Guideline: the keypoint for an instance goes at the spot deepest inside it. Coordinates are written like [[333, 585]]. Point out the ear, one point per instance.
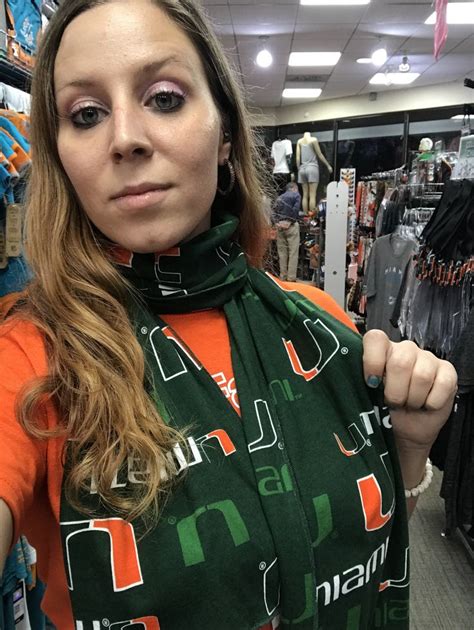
[[225, 147]]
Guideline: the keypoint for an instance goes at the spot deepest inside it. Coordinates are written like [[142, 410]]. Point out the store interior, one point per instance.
[[366, 121]]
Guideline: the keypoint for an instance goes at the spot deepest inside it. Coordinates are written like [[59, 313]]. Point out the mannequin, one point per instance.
[[282, 150], [307, 154]]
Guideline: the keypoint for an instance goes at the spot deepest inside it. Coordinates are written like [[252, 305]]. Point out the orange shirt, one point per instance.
[[31, 472]]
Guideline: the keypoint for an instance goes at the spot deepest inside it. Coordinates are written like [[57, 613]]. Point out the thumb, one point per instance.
[[376, 351]]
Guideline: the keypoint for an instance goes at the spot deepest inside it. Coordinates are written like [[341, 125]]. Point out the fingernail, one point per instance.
[[374, 381]]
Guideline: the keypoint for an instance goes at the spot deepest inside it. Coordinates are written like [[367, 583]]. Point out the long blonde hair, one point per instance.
[[96, 365]]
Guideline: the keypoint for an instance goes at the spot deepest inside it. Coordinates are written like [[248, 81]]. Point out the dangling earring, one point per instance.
[[230, 185]]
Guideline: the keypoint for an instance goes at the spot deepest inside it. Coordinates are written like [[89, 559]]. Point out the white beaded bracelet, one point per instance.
[[427, 479]]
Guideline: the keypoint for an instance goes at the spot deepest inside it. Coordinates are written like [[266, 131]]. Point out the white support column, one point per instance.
[[336, 241]]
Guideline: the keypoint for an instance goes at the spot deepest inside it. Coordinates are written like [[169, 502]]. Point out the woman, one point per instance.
[[155, 498]]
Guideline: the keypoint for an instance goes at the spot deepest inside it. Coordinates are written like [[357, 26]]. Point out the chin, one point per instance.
[[160, 236], [151, 245]]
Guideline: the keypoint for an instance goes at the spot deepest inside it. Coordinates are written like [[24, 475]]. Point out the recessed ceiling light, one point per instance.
[[457, 13], [394, 78], [364, 60], [332, 3], [314, 58], [379, 56], [264, 58], [301, 93]]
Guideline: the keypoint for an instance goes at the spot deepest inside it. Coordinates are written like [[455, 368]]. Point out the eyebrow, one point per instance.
[[147, 69]]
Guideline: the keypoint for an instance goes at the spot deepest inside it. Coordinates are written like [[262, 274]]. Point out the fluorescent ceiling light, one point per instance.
[[379, 56], [332, 3], [264, 58], [314, 58], [460, 117], [301, 92], [458, 13], [364, 60], [394, 78]]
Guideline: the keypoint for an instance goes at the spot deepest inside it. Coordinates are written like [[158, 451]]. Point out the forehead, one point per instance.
[[119, 36]]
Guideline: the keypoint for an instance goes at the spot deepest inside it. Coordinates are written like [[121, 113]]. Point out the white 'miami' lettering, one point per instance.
[[353, 578]]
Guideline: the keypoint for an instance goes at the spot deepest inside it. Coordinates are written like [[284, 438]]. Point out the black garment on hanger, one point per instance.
[[457, 438], [450, 231], [457, 488]]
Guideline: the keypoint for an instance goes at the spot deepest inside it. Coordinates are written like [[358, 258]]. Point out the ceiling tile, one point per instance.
[[330, 15], [224, 29], [396, 12], [348, 68], [456, 32], [278, 44], [219, 13], [464, 46], [262, 83], [383, 29], [453, 66], [264, 28], [263, 14], [319, 44], [364, 45], [208, 3], [228, 41], [311, 36], [339, 90], [248, 65]]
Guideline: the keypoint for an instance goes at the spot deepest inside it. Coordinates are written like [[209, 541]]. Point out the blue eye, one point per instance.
[[167, 101], [87, 117]]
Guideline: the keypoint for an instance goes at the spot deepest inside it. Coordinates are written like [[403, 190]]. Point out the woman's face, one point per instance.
[[140, 136]]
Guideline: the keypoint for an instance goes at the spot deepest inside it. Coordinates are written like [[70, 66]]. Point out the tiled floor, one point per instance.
[[442, 579]]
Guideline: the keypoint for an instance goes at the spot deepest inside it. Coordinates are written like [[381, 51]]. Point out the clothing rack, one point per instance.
[[434, 309], [21, 591], [393, 176]]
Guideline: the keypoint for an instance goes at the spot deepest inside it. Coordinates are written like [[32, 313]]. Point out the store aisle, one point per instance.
[[442, 591]]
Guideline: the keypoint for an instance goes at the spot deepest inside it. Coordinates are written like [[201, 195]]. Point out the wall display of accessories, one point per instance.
[[348, 175], [21, 27]]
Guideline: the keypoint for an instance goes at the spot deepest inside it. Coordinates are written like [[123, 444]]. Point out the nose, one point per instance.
[[130, 137]]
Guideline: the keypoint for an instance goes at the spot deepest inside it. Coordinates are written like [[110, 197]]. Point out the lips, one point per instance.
[[140, 198], [140, 189]]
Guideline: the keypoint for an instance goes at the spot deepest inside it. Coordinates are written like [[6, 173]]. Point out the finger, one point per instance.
[[376, 347], [400, 364], [444, 387], [422, 379]]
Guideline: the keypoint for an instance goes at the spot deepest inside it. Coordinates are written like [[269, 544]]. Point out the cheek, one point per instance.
[[202, 152], [76, 165]]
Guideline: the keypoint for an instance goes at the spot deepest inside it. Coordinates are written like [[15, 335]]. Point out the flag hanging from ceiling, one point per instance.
[[441, 27]]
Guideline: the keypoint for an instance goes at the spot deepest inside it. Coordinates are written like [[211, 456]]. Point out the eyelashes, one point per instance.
[[164, 100], [167, 100], [87, 116]]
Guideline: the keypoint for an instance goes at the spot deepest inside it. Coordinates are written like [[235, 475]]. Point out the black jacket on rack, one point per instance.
[[458, 480]]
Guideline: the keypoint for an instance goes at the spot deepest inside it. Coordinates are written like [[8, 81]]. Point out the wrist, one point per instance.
[[423, 485], [409, 446], [412, 460]]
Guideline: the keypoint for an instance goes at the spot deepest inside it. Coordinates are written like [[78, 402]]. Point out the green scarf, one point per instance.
[[295, 508]]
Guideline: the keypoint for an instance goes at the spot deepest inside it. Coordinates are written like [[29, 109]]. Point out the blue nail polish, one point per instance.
[[374, 381]]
